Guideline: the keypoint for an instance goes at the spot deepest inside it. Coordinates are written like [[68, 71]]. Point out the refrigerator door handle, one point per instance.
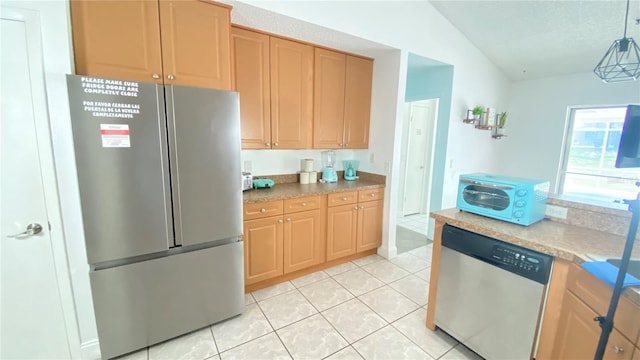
[[173, 165]]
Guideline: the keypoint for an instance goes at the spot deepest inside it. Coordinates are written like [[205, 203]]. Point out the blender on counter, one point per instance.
[[329, 174]]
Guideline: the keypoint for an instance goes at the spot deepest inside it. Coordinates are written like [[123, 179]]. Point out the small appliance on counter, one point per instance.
[[350, 168], [247, 181], [517, 200], [263, 184], [329, 174]]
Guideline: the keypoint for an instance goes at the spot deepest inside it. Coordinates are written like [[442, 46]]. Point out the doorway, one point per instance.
[[418, 137]]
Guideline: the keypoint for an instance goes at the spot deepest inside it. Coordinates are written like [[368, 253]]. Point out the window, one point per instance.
[[588, 171]]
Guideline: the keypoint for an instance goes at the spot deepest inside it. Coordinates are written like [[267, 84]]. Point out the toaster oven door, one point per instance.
[[488, 196]]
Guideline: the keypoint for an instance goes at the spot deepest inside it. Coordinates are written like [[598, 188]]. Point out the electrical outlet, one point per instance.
[[558, 212], [371, 158], [387, 167], [247, 166]]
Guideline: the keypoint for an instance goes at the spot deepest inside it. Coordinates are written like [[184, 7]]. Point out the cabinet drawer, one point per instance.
[[597, 296], [370, 195], [261, 210], [301, 204], [343, 198]]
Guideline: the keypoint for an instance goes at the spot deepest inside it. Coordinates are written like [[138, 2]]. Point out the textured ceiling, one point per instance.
[[533, 39]]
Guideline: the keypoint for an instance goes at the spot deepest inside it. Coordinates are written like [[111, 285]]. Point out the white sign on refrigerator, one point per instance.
[[115, 135]]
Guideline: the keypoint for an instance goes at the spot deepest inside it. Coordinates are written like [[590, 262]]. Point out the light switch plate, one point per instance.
[[558, 212]]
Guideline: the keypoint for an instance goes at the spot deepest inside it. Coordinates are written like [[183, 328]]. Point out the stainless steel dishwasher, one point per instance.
[[490, 293]]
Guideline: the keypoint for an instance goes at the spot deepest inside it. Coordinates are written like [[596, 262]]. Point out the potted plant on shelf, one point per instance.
[[477, 112], [502, 122]]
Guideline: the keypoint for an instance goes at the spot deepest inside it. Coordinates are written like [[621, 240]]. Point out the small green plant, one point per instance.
[[478, 110], [502, 120]]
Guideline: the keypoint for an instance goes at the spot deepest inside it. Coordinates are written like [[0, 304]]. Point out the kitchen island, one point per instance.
[[573, 295]]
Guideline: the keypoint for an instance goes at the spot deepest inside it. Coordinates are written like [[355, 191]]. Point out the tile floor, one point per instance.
[[416, 222], [370, 308], [411, 232]]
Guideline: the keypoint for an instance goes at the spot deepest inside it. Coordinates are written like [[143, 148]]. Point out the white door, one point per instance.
[[419, 142], [33, 323]]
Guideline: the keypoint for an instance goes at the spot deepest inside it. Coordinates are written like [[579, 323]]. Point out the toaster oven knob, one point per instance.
[[520, 203], [518, 214], [521, 192]]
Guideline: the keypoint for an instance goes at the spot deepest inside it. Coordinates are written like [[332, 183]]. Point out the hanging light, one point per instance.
[[622, 60]]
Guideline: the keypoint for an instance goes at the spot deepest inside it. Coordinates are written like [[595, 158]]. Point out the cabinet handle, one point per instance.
[[355, 208], [275, 144], [373, 195], [617, 349], [304, 204], [263, 210], [288, 219], [361, 207], [267, 144], [347, 144], [155, 76], [344, 198], [280, 221], [170, 77], [340, 145]]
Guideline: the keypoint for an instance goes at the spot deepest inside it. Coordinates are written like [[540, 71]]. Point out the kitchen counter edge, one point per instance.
[[296, 190]]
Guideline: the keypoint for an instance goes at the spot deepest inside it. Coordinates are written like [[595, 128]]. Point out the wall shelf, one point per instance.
[[478, 123]]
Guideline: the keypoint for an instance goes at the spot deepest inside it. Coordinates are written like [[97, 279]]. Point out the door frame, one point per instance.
[[33, 27], [429, 146]]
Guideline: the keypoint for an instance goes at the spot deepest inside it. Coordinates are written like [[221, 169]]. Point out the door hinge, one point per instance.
[[49, 223]]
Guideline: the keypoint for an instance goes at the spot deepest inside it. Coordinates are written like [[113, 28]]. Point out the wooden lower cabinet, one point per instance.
[[302, 240], [369, 235], [263, 249], [578, 334], [342, 231]]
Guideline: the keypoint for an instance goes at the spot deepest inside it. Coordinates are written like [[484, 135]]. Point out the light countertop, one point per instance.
[[295, 190]]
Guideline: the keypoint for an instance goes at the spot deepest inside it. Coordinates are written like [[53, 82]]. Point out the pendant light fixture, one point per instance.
[[622, 60]]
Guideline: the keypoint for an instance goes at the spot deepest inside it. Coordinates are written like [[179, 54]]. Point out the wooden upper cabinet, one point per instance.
[[252, 81], [328, 99], [357, 108], [291, 65], [342, 100], [196, 43], [193, 35], [128, 48]]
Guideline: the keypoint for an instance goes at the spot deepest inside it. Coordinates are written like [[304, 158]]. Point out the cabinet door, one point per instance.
[[369, 225], [291, 94], [196, 44], [328, 99], [341, 231], [251, 63], [262, 249], [357, 103], [578, 334], [302, 240], [117, 39]]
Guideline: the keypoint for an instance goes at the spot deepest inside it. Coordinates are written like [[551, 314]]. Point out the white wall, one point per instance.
[[538, 116]]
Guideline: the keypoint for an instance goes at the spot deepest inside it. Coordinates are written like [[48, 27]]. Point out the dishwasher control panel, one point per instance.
[[518, 258]]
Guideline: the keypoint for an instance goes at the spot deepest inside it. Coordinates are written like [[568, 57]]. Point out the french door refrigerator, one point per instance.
[[158, 170]]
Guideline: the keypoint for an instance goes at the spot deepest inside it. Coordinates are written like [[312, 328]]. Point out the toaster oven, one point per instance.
[[517, 200]]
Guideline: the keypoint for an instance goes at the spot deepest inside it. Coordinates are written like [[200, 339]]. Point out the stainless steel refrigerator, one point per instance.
[[158, 170]]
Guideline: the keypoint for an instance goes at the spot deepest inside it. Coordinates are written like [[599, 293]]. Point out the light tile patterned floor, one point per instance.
[[416, 222], [370, 308]]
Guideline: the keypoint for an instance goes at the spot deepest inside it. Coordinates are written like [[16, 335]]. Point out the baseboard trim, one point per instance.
[[90, 350]]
